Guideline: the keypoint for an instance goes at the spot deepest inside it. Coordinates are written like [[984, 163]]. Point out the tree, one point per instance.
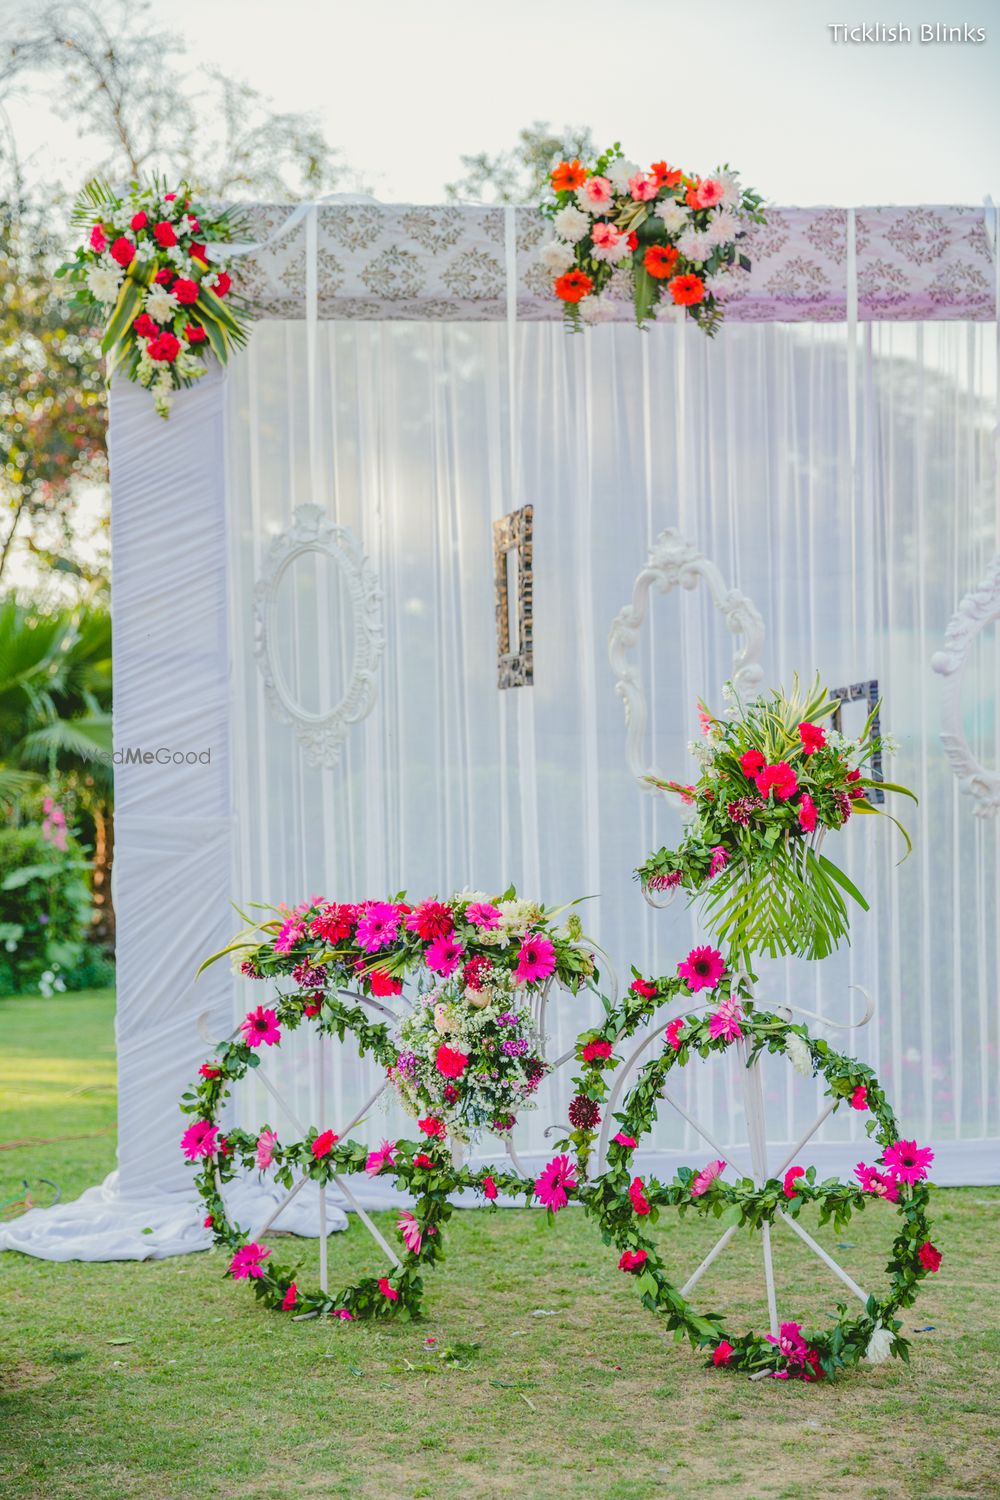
[[522, 174]]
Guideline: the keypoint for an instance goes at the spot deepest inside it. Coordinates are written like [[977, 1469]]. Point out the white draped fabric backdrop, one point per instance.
[[844, 478]]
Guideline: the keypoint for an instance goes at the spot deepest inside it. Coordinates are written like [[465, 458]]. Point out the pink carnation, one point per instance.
[[289, 1299], [621, 1139], [710, 192], [706, 1177], [98, 239], [595, 194], [387, 1289], [551, 1187], [807, 813], [781, 778], [673, 1032], [633, 1260], [637, 1197], [859, 1099], [489, 1188], [791, 1177]]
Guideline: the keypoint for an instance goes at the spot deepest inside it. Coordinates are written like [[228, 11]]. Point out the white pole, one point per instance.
[[715, 1251], [826, 1259]]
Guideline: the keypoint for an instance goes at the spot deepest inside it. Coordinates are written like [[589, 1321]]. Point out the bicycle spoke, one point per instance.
[[712, 1255], [827, 1260]]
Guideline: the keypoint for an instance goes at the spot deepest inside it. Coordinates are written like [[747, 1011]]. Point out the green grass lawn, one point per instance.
[[167, 1382]]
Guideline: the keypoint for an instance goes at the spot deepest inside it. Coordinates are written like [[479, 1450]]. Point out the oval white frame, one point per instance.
[[321, 734], [675, 562], [973, 614]]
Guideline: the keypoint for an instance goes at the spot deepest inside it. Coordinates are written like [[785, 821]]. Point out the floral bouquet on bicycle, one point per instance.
[[775, 779]]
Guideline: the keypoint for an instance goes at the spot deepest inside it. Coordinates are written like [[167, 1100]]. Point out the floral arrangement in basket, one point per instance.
[[145, 265], [673, 233], [773, 782]]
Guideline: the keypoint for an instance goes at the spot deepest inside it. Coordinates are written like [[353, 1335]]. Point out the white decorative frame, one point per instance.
[[674, 562], [321, 735], [974, 612]]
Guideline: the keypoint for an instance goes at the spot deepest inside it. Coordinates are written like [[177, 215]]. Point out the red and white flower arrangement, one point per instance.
[[674, 235], [150, 263]]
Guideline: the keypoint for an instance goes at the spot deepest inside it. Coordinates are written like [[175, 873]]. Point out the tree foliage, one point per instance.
[[521, 174]]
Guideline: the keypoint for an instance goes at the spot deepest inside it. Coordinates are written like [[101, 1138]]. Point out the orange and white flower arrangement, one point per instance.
[[677, 236]]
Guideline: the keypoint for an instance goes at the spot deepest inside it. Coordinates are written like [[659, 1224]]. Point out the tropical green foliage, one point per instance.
[[44, 910]]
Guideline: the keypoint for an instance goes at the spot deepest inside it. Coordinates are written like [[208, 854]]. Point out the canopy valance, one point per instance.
[[389, 261]]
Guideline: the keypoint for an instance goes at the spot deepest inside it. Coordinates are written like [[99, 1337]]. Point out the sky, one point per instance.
[[405, 88]]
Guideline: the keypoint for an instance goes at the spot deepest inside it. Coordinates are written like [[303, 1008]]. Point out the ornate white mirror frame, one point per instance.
[[321, 734], [973, 614], [674, 562]]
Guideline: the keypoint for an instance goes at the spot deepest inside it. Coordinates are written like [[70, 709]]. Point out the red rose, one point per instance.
[[123, 251], [185, 291], [164, 276], [423, 1160], [433, 1127], [165, 348], [139, 221], [163, 234], [144, 327], [596, 1051], [207, 1071], [198, 251], [324, 1144], [930, 1256], [208, 1221], [223, 282], [489, 1188], [633, 1260], [644, 988], [312, 1009]]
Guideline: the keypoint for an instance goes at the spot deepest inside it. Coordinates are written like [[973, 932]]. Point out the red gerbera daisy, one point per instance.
[[574, 286], [660, 261], [686, 290]]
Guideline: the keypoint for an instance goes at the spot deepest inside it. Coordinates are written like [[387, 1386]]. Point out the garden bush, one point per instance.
[[45, 908]]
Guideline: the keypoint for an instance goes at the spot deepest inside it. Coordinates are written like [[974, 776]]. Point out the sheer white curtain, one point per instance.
[[848, 486]]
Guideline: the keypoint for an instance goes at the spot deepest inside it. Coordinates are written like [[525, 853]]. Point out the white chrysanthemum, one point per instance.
[[613, 254], [723, 227], [619, 173], [694, 246], [103, 283], [556, 257], [596, 309], [798, 1052], [879, 1346], [732, 190], [570, 224], [720, 284], [674, 215], [160, 304]]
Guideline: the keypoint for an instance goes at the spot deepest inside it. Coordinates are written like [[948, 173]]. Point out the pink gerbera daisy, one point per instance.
[[702, 969], [551, 1187], [706, 1177], [482, 915], [383, 1157], [726, 1021], [908, 1161], [260, 1026], [444, 955], [379, 926], [199, 1140], [409, 1228], [248, 1262], [536, 959]]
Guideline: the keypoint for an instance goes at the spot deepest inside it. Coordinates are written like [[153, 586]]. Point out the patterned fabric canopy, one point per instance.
[[377, 260]]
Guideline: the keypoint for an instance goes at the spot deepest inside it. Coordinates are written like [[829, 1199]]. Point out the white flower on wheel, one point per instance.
[[673, 215], [571, 223], [799, 1054], [556, 257], [879, 1346]]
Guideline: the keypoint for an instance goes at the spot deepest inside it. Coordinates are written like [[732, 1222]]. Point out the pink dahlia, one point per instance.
[[637, 1197], [260, 1026], [551, 1187], [876, 1182], [726, 1021], [266, 1142], [248, 1262], [387, 1289], [444, 955], [289, 1299], [199, 1139], [410, 1229], [334, 923], [790, 1342], [536, 960], [482, 915], [673, 1032], [791, 1177], [633, 1260], [430, 920], [859, 1099], [378, 927], [706, 1177], [908, 1161], [383, 1157], [702, 969]]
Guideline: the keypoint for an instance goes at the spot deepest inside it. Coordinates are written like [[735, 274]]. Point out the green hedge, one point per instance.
[[45, 910]]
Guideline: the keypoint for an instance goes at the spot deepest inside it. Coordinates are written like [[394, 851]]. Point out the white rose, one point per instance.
[[619, 173], [556, 256], [571, 224], [798, 1052], [673, 214], [160, 304], [103, 283]]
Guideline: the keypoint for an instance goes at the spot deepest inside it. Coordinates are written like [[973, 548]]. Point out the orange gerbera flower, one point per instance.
[[694, 183], [660, 261], [665, 176], [687, 290], [567, 176], [574, 286]]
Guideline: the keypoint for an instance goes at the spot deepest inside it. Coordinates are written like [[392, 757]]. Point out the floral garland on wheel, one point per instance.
[[145, 265], [674, 235], [480, 959], [625, 1204]]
